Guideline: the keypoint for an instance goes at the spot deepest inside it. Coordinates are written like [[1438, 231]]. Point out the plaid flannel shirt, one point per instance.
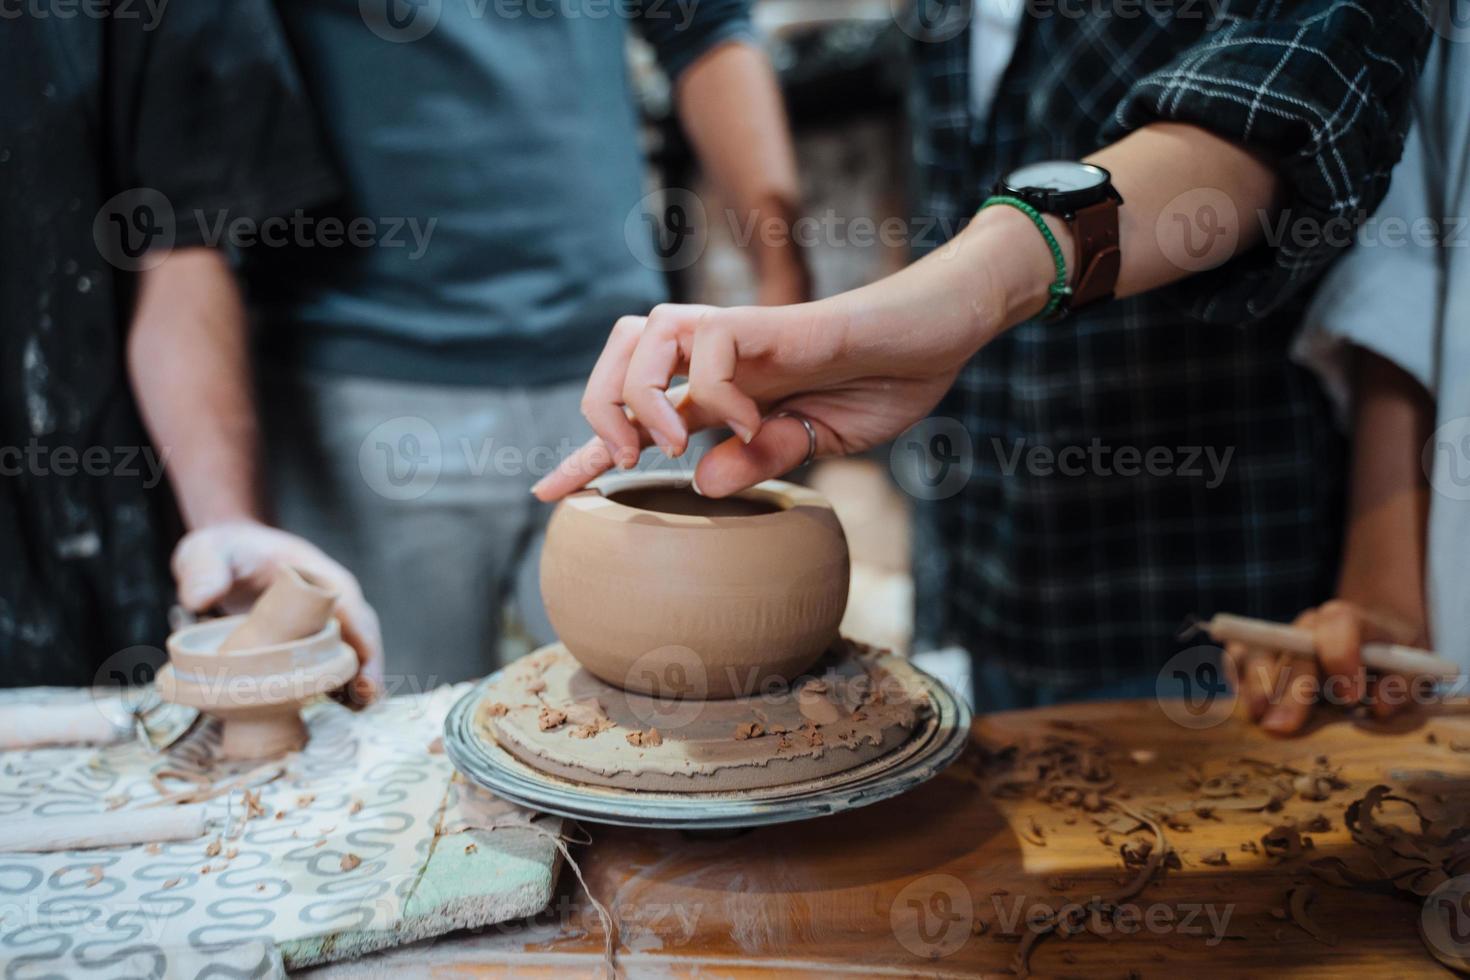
[[1078, 574]]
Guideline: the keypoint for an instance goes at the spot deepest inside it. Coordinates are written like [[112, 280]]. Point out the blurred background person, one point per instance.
[[127, 138], [1070, 582], [1389, 334], [415, 388]]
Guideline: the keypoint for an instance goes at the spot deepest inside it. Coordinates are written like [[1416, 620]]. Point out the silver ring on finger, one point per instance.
[[811, 433]]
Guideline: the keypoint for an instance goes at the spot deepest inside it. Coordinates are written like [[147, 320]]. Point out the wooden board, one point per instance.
[[836, 896]]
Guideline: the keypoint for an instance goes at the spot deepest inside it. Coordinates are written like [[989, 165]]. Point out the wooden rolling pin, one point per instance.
[[40, 834], [1384, 658]]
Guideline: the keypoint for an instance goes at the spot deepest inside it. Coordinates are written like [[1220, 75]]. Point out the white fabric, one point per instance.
[[993, 34], [1404, 294]]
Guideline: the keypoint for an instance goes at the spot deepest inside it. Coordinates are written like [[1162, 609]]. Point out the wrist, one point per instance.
[[1020, 260]]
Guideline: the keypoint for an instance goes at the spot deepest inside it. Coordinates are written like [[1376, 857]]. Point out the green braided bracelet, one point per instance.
[[1059, 289]]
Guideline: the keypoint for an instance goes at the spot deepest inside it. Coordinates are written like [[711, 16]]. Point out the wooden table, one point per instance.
[[844, 895]]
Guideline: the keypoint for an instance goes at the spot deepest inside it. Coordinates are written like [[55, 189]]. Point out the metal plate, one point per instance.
[[934, 745]]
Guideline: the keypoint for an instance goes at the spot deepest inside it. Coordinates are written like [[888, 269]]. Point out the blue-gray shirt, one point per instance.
[[492, 147]]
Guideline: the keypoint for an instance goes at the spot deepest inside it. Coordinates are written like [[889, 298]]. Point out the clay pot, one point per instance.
[[257, 693], [293, 606], [658, 590]]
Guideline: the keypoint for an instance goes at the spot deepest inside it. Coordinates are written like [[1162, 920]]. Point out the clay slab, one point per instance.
[[856, 705]]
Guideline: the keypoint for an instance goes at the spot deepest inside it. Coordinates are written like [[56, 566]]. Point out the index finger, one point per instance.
[[575, 472]]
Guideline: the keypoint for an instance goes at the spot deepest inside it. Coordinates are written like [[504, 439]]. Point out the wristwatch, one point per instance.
[[1083, 196]]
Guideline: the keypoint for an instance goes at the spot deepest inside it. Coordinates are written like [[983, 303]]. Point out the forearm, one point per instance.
[[188, 361], [996, 273], [1388, 496], [730, 106]]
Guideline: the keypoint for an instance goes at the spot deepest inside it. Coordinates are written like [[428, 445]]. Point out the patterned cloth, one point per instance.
[[1157, 456]]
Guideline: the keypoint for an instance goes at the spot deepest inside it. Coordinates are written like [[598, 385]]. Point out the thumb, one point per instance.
[[201, 571], [779, 447]]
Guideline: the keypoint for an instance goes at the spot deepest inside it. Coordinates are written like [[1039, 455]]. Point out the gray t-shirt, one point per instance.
[[1404, 293], [492, 147]]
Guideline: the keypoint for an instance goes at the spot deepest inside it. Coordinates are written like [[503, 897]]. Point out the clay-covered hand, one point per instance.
[[1278, 691], [231, 564]]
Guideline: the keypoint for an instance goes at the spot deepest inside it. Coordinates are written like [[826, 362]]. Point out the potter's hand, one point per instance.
[[861, 367], [231, 564], [1278, 692]]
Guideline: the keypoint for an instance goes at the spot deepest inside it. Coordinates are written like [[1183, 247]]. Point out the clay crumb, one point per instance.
[[1216, 859], [280, 814], [436, 747], [471, 848], [350, 861], [551, 719], [305, 800], [647, 739], [356, 806], [495, 709], [232, 853], [253, 808], [154, 848], [260, 887], [750, 729], [170, 883], [214, 848]]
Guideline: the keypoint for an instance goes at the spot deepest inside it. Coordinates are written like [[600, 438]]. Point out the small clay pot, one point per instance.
[[658, 590], [257, 693]]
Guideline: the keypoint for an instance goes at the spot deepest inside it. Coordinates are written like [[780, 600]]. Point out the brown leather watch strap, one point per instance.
[[1095, 231]]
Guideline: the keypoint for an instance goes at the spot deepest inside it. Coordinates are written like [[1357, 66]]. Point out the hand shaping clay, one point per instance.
[[553, 715], [254, 672], [660, 591]]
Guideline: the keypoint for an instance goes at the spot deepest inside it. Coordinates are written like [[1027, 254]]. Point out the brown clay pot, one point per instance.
[[658, 590], [257, 693]]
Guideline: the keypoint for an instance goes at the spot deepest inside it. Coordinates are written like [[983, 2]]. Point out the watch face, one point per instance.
[[1058, 175]]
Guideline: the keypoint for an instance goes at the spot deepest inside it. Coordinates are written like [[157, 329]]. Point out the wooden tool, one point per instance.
[[1386, 658]]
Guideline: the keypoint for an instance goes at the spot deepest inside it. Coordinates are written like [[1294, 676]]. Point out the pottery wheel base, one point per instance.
[[546, 734]]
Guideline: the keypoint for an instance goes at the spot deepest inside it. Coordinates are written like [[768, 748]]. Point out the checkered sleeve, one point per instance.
[[1322, 86]]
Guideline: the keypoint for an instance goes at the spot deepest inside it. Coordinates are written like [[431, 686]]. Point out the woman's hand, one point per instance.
[[1278, 691], [860, 367]]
